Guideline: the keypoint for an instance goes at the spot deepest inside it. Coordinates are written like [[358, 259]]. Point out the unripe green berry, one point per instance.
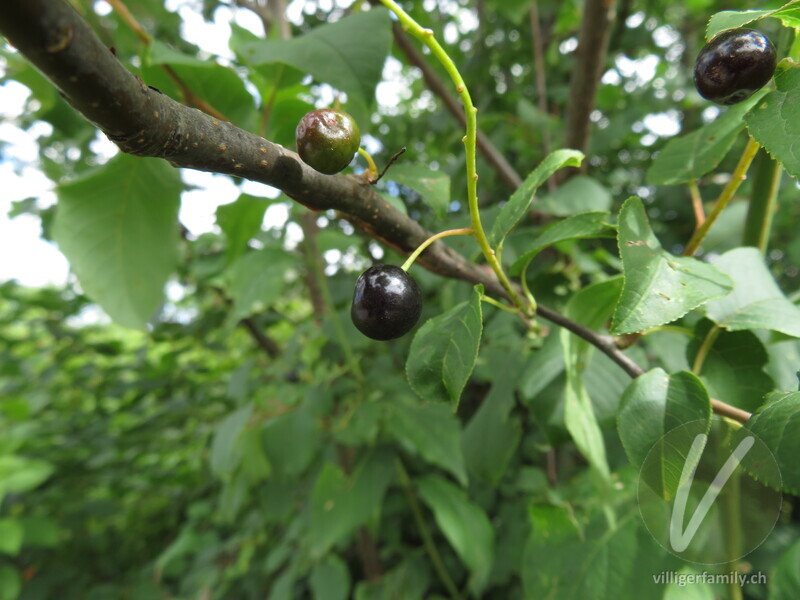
[[327, 139]]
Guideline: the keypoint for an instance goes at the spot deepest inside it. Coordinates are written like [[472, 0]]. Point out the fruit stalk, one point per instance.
[[372, 168], [763, 199], [421, 248], [739, 175]]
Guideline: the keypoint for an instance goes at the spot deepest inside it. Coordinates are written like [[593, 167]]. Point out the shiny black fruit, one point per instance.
[[386, 303], [734, 65], [327, 139]]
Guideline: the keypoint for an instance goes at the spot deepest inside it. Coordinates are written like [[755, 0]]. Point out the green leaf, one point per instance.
[[654, 404], [288, 108], [733, 369], [226, 450], [789, 14], [18, 474], [732, 19], [777, 424], [231, 498], [408, 581], [659, 287], [464, 524], [340, 504], [756, 301], [330, 579], [40, 532], [257, 280], [580, 226], [491, 436], [431, 430], [561, 562], [691, 156], [433, 186], [11, 536], [521, 199], [217, 85], [255, 466], [579, 194], [784, 582], [160, 53], [776, 123], [291, 440], [444, 351], [187, 542], [590, 307], [240, 221], [348, 54], [117, 227], [543, 366], [10, 582]]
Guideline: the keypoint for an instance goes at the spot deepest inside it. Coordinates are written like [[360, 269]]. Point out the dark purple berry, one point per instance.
[[734, 65], [387, 302]]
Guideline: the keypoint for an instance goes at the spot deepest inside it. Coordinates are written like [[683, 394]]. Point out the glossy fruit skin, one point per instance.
[[734, 65], [327, 139], [387, 302]]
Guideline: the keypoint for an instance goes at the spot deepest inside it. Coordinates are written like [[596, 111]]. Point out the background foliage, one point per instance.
[[244, 441]]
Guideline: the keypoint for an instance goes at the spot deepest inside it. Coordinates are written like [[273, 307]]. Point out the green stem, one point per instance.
[[705, 348], [372, 168], [500, 305], [427, 539], [525, 289], [763, 201], [739, 175], [413, 256], [470, 139]]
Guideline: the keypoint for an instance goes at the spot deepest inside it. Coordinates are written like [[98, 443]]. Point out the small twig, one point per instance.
[[264, 342], [726, 410], [122, 10], [394, 157]]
